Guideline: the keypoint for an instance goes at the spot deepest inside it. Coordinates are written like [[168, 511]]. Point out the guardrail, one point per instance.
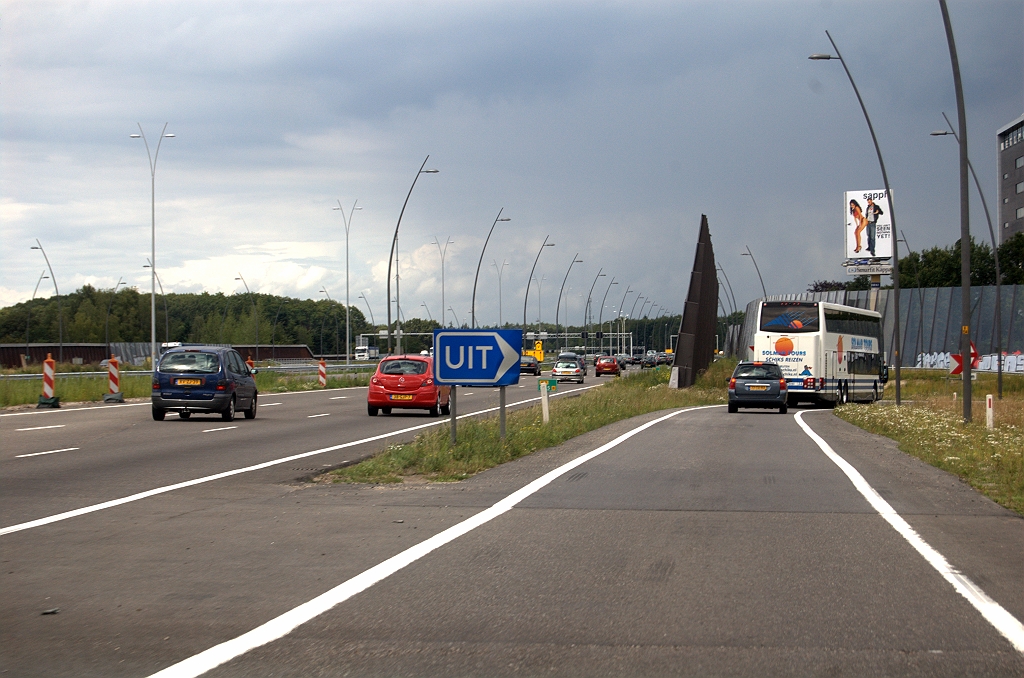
[[281, 369]]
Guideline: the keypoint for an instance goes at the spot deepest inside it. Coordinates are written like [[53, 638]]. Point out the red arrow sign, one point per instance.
[[956, 364]]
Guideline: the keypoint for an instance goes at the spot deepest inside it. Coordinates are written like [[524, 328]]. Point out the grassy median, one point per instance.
[[930, 427], [479, 446], [92, 388]]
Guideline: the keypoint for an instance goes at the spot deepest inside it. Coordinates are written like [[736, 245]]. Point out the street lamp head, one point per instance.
[[940, 133], [34, 247], [821, 57], [505, 219], [429, 171], [550, 244], [168, 136], [135, 136]]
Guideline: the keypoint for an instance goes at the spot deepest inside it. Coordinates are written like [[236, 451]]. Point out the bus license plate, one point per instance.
[[758, 387], [401, 397], [188, 382]]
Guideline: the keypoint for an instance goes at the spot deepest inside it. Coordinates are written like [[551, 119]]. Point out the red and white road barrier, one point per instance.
[[323, 373], [49, 368], [113, 375]]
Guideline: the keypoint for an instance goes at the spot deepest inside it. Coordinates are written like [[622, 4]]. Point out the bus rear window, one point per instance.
[[789, 317]]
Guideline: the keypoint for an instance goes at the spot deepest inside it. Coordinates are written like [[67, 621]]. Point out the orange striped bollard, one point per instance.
[[323, 373], [114, 394], [47, 399]]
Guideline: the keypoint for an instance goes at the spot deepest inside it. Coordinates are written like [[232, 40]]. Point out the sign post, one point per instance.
[[475, 357]]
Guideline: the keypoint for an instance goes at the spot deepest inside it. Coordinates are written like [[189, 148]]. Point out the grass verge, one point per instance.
[[479, 448], [931, 428]]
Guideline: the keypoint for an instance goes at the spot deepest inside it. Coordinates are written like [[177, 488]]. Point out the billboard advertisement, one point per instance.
[[868, 222]]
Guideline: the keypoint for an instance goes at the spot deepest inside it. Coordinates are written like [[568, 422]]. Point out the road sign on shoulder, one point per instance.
[[477, 357]]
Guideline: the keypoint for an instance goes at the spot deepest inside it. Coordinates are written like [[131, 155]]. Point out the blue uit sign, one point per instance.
[[477, 357]]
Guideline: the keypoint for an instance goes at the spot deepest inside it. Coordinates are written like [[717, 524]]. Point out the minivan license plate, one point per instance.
[[758, 387], [188, 382]]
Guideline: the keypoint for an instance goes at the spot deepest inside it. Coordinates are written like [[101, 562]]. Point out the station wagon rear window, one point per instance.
[[766, 371], [191, 363], [789, 317], [403, 367]]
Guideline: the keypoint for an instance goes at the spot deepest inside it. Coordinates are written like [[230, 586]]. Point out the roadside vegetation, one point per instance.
[[480, 447], [929, 426]]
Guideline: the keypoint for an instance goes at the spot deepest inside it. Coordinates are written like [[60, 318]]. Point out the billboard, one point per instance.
[[868, 224]]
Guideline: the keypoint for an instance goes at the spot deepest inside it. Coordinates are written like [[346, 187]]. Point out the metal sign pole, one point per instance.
[[501, 416], [451, 403]]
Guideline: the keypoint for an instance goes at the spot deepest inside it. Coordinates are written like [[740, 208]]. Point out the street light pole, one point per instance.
[[500, 271], [750, 254], [527, 297], [734, 306], [443, 253], [372, 321], [575, 260], [600, 313], [60, 308], [618, 317], [424, 305], [472, 308], [348, 323], [152, 176], [394, 247], [255, 315], [28, 312], [892, 214], [588, 315], [106, 323], [167, 315], [965, 218]]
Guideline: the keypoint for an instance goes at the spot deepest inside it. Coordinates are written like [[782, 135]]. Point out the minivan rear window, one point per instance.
[[764, 371], [196, 363], [403, 367]]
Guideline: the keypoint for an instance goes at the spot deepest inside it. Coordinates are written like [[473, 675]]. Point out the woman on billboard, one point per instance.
[[860, 222]]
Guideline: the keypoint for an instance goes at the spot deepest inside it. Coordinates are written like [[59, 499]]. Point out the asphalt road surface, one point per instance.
[[705, 544]]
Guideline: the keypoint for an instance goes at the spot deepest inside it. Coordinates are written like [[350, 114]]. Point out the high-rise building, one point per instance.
[[1011, 179]]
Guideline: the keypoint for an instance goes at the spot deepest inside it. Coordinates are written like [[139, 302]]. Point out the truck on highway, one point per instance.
[[367, 353], [829, 353]]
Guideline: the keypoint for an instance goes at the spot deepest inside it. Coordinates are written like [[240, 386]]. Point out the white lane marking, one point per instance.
[[39, 522], [40, 428], [223, 428], [268, 404], [36, 454], [279, 627], [101, 408], [313, 416], [338, 398], [72, 409], [993, 612]]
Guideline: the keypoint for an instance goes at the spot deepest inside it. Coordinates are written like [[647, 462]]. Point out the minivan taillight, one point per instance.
[[783, 385], [732, 383], [223, 384]]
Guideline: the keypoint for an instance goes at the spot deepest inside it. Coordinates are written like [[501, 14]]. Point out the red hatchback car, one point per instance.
[[606, 365], [406, 381]]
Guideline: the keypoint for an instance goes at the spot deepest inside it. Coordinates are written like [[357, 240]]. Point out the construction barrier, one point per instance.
[[114, 394], [323, 373], [47, 399]]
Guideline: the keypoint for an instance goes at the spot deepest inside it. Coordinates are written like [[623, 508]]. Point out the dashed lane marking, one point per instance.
[[36, 454], [338, 398], [40, 428], [313, 416], [223, 428], [268, 404]]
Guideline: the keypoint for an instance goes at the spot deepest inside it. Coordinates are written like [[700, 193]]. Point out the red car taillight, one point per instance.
[[375, 380], [428, 382], [783, 385], [156, 384], [223, 384], [732, 383]]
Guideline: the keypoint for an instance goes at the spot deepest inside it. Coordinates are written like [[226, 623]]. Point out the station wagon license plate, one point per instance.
[[188, 382], [758, 387], [400, 397]]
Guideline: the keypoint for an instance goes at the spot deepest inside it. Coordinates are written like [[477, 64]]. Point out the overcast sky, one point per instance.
[[609, 126]]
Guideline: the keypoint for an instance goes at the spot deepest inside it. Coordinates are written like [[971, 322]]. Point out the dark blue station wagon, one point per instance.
[[203, 379]]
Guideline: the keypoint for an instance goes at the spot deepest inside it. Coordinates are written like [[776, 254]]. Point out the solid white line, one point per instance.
[[279, 627], [36, 454], [338, 398], [313, 416], [993, 612], [224, 428], [226, 474], [99, 408], [40, 428], [268, 404]]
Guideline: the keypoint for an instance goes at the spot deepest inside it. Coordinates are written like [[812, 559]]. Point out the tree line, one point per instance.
[[233, 319], [940, 267]]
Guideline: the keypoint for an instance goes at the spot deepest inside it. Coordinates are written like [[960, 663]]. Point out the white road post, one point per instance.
[[544, 406], [990, 420]]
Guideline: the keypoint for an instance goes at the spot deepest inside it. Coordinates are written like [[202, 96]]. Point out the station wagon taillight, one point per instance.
[[732, 383], [783, 385]]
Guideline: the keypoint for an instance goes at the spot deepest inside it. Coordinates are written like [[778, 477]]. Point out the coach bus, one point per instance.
[[829, 353]]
